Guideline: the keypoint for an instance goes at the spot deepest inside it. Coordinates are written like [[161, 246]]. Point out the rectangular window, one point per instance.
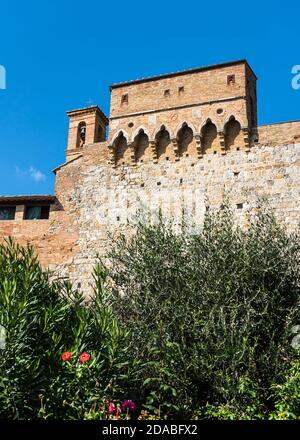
[[230, 80], [37, 212], [124, 99], [7, 213]]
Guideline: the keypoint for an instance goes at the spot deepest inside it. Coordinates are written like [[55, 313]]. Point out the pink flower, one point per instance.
[[129, 404], [111, 408], [84, 357]]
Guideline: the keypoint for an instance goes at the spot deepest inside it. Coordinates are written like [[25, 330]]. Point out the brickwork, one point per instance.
[[184, 151]]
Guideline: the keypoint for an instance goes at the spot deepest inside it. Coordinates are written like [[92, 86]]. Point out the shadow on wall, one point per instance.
[[184, 145]]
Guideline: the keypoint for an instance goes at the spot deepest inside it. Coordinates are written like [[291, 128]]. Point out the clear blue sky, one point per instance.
[[61, 55]]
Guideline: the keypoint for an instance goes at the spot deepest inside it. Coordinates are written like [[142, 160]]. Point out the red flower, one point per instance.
[[84, 357], [66, 356], [111, 408], [130, 404]]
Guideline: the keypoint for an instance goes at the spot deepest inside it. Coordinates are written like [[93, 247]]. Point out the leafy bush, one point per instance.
[[194, 326], [41, 321], [209, 313], [287, 394]]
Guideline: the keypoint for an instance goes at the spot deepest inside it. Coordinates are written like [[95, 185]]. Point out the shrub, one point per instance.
[[194, 326], [287, 394], [209, 314], [43, 319]]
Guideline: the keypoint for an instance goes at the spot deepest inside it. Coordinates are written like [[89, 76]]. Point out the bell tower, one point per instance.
[[86, 126]]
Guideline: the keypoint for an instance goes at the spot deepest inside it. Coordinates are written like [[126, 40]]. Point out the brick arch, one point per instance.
[[121, 150], [209, 137], [163, 144], [121, 131], [233, 134], [158, 129], [186, 143], [230, 118], [136, 132], [142, 150], [189, 124], [207, 120]]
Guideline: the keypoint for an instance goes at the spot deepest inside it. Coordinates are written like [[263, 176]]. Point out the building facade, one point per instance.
[[182, 142]]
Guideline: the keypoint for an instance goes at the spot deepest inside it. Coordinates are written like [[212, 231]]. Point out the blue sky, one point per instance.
[[61, 55]]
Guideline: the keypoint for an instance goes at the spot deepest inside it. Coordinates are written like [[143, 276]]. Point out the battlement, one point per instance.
[[168, 117], [180, 143]]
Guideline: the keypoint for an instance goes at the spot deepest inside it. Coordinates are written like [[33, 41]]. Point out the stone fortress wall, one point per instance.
[[186, 141]]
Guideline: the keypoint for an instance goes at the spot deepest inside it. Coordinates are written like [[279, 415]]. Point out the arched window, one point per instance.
[[233, 134], [141, 144], [81, 135], [209, 137], [121, 152], [164, 146], [185, 138]]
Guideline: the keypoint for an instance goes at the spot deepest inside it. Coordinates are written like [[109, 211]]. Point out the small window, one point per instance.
[[167, 93], [81, 134], [230, 80], [180, 89], [7, 213], [37, 212], [124, 99], [239, 206]]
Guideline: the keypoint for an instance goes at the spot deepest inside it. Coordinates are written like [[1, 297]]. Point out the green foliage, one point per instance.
[[287, 394], [43, 319], [194, 326], [209, 313]]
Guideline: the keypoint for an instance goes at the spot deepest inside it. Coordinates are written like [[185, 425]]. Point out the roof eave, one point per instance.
[[182, 72]]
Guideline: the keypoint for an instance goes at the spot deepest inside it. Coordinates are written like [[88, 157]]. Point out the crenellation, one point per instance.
[[184, 152]]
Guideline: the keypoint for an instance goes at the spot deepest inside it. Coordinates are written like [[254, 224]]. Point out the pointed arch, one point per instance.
[[164, 147], [138, 130], [233, 134], [179, 126], [121, 150], [117, 134], [141, 146], [205, 122], [185, 140], [209, 137]]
